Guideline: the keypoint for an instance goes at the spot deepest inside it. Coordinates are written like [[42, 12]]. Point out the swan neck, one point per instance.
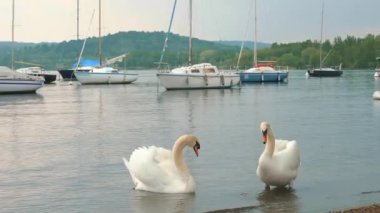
[[178, 156], [269, 147]]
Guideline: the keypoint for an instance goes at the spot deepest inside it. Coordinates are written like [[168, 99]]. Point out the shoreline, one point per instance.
[[368, 208]]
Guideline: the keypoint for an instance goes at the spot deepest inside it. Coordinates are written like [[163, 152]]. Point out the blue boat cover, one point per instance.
[[87, 63]]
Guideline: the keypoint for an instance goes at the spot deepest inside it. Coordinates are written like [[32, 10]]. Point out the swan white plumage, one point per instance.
[[156, 169], [279, 162]]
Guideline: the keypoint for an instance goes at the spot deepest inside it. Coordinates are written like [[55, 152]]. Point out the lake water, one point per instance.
[[61, 149]]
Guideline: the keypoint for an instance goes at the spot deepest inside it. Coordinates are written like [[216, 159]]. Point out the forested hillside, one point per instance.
[[144, 49]]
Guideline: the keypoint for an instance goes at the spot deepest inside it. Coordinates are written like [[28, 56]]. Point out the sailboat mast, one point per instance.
[[167, 35], [190, 33], [100, 33], [320, 43], [13, 34], [77, 19], [254, 43]]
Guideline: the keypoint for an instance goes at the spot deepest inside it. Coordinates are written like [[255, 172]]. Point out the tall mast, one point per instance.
[[77, 19], [320, 43], [190, 33], [167, 35], [100, 33], [254, 43], [13, 34]]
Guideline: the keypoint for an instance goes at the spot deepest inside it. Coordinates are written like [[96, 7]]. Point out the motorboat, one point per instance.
[[47, 76]]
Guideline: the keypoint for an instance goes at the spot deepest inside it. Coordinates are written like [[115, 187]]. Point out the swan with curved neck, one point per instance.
[[279, 162], [157, 169]]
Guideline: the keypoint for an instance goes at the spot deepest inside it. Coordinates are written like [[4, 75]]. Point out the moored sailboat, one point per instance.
[[377, 70], [104, 74], [334, 71], [196, 76], [13, 82], [263, 71]]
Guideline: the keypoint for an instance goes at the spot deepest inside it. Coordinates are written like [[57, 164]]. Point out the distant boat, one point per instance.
[[377, 70], [263, 71], [196, 76], [13, 82], [84, 65], [326, 71], [334, 71], [47, 76], [376, 95], [104, 74]]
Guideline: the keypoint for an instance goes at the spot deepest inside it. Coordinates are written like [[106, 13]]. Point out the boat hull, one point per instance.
[[8, 86], [259, 77], [67, 75], [105, 78], [192, 81], [325, 73], [377, 74]]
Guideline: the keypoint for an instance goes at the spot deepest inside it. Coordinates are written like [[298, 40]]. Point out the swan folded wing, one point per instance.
[[289, 158], [280, 145], [146, 168]]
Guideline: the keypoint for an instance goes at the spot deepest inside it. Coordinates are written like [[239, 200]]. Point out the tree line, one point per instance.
[[144, 50]]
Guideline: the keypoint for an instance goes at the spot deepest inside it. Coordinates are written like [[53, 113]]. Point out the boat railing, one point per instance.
[[338, 67], [162, 67], [281, 68]]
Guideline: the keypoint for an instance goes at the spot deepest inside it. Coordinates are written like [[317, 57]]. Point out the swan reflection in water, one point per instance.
[[279, 199], [143, 202]]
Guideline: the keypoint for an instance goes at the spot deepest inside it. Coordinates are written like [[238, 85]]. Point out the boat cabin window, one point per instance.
[[195, 71], [209, 70]]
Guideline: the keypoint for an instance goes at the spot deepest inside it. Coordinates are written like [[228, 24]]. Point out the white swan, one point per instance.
[[156, 169], [279, 162]]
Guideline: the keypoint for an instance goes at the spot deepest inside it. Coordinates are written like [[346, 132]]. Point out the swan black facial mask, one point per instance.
[[196, 147], [264, 135]]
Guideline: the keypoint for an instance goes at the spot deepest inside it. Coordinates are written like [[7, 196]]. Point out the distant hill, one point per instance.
[[144, 49], [247, 44]]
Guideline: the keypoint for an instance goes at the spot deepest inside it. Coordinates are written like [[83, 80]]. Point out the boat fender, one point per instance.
[[222, 80], [206, 81]]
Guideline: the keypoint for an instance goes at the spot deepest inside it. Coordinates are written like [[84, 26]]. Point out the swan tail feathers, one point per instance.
[[126, 163]]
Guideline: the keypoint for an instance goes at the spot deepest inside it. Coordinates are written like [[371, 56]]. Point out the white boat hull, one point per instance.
[[193, 81], [19, 86], [105, 78], [376, 95]]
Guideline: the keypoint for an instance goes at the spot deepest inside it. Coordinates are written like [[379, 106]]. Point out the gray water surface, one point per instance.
[[61, 149]]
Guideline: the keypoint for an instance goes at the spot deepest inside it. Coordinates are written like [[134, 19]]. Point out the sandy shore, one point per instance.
[[374, 208]]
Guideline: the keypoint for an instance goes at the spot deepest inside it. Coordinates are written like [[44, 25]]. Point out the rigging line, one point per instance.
[[167, 34], [85, 40], [320, 43], [244, 37]]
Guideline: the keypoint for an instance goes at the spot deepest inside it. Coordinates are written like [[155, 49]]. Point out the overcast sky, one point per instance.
[[278, 20]]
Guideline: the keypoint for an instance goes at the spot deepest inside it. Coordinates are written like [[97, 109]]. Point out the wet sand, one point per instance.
[[374, 208]]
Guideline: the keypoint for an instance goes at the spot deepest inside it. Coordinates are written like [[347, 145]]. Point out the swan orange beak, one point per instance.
[[196, 148], [264, 139]]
